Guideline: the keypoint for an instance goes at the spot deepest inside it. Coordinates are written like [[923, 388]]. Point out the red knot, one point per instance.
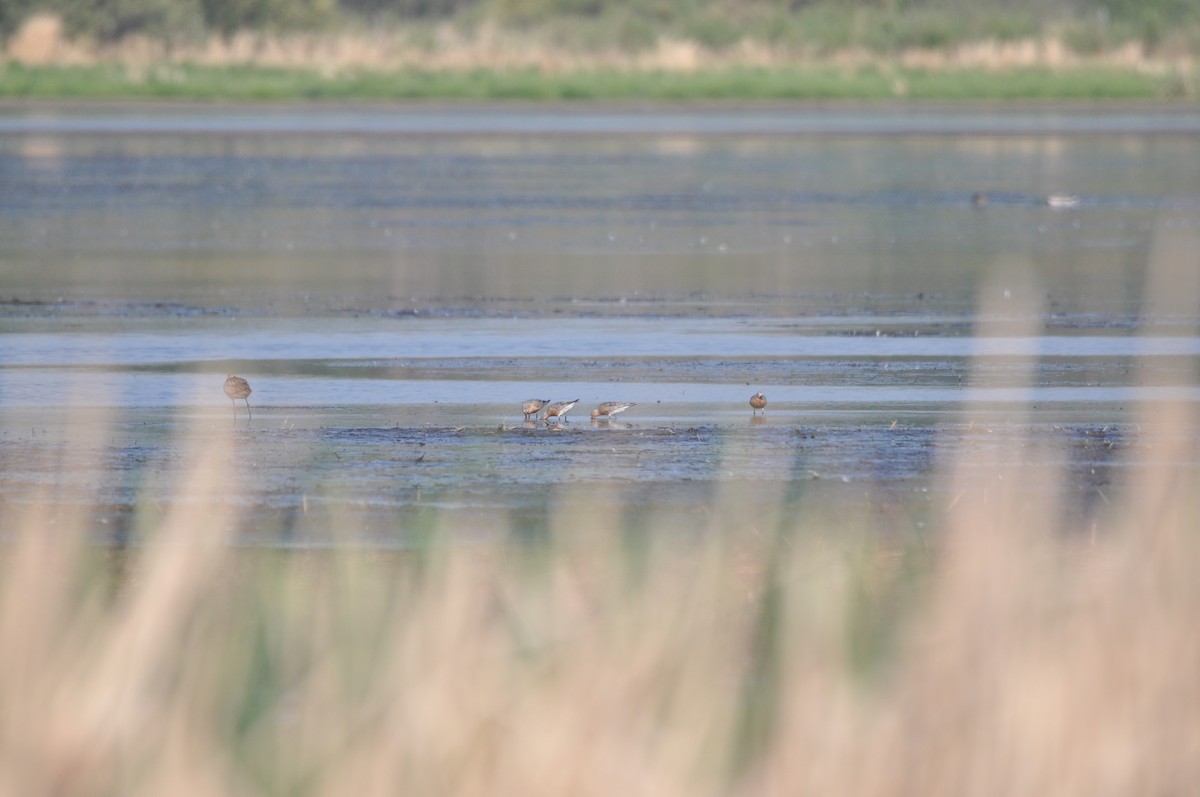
[[611, 408], [758, 402], [531, 406], [558, 409]]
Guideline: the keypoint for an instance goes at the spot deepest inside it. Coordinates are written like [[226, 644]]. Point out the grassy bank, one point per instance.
[[258, 83]]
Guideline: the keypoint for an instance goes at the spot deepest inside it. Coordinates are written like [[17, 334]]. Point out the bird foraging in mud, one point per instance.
[[238, 388], [531, 406], [558, 409], [610, 408], [758, 402]]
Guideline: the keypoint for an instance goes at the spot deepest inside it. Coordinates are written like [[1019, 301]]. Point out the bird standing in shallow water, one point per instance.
[[609, 409], [758, 402], [238, 388], [558, 409], [531, 406]]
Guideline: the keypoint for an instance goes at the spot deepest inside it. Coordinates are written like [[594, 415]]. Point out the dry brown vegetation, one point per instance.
[[1015, 655], [41, 40]]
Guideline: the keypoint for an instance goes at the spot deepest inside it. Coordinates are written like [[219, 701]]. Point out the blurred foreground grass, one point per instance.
[[748, 647], [245, 82], [750, 650]]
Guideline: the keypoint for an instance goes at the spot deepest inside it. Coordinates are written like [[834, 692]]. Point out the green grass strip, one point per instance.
[[253, 83]]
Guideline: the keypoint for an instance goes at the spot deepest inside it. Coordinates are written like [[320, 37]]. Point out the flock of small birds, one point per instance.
[[238, 388]]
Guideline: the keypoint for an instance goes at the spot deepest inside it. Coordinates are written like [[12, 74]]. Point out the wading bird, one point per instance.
[[610, 408], [758, 402], [238, 388], [558, 409], [531, 406]]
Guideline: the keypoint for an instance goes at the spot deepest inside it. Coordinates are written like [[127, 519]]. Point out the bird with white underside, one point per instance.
[[610, 408]]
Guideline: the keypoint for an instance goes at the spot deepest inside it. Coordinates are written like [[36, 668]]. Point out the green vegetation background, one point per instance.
[[809, 28]]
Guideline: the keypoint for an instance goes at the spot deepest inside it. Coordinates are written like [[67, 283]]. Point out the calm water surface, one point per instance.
[[393, 281]]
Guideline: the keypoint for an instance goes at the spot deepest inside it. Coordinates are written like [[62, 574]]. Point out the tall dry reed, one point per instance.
[[1010, 654]]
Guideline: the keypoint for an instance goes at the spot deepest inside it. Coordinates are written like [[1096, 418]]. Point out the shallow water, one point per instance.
[[395, 281]]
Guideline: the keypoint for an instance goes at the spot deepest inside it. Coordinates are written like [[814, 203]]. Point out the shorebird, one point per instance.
[[531, 406], [1062, 201], [610, 408], [758, 402], [980, 199], [238, 388], [558, 409]]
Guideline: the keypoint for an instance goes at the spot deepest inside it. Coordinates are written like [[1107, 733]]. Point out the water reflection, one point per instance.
[[610, 424], [227, 215]]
